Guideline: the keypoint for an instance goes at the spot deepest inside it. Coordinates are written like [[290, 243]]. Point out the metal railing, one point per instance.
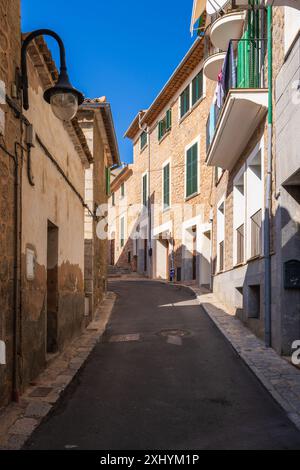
[[243, 67]]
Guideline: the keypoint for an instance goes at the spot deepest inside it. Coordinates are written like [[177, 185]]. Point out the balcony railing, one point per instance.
[[256, 234], [240, 238], [243, 68]]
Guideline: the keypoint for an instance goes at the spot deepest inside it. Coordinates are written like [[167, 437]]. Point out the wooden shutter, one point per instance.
[[192, 170], [169, 119]]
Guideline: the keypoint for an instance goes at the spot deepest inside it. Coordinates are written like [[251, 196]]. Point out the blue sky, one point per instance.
[[125, 50]]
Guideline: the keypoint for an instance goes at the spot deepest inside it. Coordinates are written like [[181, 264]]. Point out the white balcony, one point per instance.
[[213, 65], [225, 28], [283, 3], [242, 112]]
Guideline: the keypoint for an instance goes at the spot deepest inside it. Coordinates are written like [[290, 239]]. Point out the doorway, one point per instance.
[[52, 289]]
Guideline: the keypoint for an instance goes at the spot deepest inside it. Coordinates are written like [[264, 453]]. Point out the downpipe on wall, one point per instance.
[[268, 196]]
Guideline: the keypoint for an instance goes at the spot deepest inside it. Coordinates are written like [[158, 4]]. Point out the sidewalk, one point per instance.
[[18, 420], [279, 377]]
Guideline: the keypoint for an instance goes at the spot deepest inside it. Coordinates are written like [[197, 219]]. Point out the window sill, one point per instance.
[[188, 198], [254, 258], [166, 209], [164, 136], [191, 109]]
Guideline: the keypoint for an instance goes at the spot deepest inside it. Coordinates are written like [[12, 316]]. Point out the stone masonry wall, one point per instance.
[[9, 134]]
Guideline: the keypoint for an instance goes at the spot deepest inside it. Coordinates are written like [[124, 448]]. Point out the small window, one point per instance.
[[113, 202], [192, 170], [129, 257], [256, 234], [122, 232], [145, 190], [197, 88], [122, 189], [143, 139], [166, 186], [165, 124], [185, 101]]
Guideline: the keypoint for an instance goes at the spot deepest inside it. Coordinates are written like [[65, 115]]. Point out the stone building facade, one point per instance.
[[168, 218], [121, 247], [43, 165], [238, 149], [96, 121], [10, 133]]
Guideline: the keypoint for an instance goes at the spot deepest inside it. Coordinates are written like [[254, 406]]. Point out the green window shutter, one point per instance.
[[122, 190], [143, 140], [192, 170], [159, 130], [185, 101], [197, 88], [169, 119], [166, 186], [107, 180]]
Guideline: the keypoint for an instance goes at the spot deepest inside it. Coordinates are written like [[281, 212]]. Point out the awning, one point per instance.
[[198, 9]]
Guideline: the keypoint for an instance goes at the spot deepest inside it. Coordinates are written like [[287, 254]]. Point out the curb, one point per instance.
[[292, 413], [39, 400]]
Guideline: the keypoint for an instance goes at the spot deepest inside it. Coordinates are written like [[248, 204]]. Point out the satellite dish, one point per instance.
[[214, 6]]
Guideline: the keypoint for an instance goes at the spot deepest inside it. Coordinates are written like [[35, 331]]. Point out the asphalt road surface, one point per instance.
[[175, 384]]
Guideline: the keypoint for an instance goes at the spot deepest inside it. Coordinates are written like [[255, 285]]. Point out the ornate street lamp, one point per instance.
[[63, 98]]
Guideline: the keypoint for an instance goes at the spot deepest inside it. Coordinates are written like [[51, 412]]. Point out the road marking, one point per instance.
[[174, 340], [124, 338]]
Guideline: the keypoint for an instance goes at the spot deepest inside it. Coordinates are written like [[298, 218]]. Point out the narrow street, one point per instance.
[[183, 389]]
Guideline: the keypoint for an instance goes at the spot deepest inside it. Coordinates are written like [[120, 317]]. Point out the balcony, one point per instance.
[[226, 27], [213, 64], [241, 104], [284, 3]]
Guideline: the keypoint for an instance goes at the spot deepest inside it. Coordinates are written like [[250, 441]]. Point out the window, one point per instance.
[[221, 256], [165, 124], [253, 304], [185, 101], [239, 217], [256, 235], [192, 170], [166, 186], [107, 180], [240, 242], [191, 95], [122, 232], [113, 199], [143, 139], [122, 189], [197, 88], [254, 204], [145, 190], [129, 257]]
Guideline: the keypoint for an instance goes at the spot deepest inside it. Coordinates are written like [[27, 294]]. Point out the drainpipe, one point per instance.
[[267, 231]]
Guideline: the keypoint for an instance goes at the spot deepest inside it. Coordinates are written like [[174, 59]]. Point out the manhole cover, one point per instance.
[[180, 333]]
